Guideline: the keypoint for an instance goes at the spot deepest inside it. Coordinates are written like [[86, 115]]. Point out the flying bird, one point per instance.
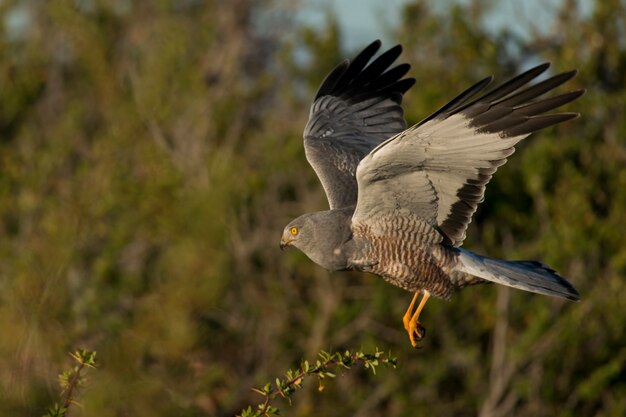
[[401, 199]]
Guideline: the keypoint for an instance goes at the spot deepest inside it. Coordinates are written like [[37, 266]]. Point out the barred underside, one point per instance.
[[399, 248]]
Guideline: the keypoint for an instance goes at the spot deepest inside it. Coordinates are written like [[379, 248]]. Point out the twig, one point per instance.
[[322, 369], [71, 380]]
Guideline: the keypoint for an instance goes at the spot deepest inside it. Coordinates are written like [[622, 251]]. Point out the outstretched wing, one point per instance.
[[438, 169], [357, 107]]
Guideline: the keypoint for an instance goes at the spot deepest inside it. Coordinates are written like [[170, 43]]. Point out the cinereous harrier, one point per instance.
[[401, 199]]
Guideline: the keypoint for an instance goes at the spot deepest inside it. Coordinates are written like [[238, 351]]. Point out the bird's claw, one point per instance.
[[416, 332], [410, 319]]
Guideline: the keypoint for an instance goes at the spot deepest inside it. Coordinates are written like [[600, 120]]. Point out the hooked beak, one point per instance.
[[285, 241]]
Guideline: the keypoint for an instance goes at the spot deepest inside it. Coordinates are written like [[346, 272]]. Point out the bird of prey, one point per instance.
[[401, 199]]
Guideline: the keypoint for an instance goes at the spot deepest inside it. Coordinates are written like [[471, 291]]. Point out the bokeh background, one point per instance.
[[150, 155]]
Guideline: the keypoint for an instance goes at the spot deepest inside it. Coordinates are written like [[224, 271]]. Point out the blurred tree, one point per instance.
[[150, 154]]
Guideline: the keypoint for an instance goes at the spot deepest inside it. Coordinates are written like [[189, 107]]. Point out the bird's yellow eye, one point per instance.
[[294, 231]]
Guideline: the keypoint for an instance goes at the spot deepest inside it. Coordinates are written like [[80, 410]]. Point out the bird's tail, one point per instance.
[[530, 276]]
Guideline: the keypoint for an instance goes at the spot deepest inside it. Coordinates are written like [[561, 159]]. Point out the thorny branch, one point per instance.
[[285, 387]]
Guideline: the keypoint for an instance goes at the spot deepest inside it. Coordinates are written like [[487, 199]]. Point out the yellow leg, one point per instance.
[[414, 328], [409, 312]]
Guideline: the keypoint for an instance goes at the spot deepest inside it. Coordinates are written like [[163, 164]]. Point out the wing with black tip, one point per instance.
[[357, 107]]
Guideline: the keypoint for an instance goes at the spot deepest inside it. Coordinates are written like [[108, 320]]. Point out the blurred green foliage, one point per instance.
[[150, 155]]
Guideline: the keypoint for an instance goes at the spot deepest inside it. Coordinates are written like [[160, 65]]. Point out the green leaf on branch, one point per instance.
[[71, 380], [330, 361]]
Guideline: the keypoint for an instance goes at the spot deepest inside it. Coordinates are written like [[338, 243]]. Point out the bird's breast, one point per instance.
[[401, 251]]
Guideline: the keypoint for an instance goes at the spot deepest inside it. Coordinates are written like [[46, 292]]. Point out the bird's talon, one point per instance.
[[416, 332], [413, 327], [419, 332]]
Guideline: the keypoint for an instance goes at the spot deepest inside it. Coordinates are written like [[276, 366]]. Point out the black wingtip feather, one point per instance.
[[459, 101], [360, 61], [402, 86], [355, 109], [359, 75], [331, 80], [548, 104], [536, 90], [376, 67], [532, 124], [509, 109], [390, 76], [508, 87]]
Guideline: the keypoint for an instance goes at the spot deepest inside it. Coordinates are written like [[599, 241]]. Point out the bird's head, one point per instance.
[[320, 236], [292, 233], [311, 233]]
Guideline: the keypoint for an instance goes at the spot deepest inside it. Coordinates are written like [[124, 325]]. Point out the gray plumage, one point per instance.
[[355, 109], [401, 199]]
